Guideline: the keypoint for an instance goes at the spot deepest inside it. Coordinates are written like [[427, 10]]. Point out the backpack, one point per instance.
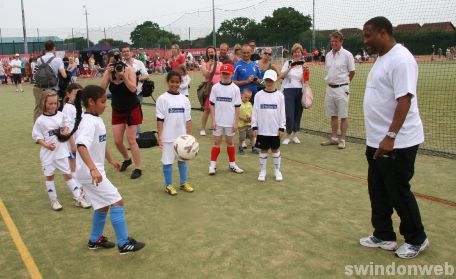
[[147, 139], [147, 88], [44, 76]]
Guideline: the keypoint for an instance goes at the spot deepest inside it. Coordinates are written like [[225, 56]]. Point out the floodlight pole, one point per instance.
[[23, 28], [313, 25], [214, 40], [87, 24]]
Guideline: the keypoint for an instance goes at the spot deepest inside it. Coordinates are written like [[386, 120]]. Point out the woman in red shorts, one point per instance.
[[126, 111]]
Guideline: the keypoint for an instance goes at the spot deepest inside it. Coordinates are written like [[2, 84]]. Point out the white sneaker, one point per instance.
[[278, 175], [409, 251], [81, 202], [262, 176], [212, 170], [202, 133], [296, 140], [286, 141], [236, 169], [244, 145], [373, 242], [55, 205]]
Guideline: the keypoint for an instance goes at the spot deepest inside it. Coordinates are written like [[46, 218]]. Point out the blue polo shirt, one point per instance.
[[243, 70]]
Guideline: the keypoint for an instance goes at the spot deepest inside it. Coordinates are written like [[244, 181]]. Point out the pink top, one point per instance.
[[217, 76]]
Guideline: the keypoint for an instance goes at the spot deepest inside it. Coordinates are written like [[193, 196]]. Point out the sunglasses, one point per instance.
[[267, 53]]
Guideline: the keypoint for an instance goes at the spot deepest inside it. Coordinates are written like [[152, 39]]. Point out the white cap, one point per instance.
[[270, 74]]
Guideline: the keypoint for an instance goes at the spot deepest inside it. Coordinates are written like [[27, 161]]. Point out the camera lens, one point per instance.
[[118, 68]]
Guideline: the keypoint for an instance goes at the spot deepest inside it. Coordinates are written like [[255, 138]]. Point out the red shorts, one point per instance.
[[132, 117]]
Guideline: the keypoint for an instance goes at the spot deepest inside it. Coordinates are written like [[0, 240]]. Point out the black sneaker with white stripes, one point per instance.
[[131, 246], [102, 242]]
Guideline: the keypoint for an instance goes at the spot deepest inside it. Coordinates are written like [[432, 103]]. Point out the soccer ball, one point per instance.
[[186, 147]]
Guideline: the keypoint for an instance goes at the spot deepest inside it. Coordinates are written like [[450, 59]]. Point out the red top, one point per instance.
[[175, 63]]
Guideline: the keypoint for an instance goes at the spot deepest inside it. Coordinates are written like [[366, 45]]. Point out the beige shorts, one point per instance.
[[102, 195], [336, 101], [61, 165], [220, 131]]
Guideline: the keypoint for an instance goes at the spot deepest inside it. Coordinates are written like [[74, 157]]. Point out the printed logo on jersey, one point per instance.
[[176, 110], [102, 138], [53, 132], [268, 106], [224, 99]]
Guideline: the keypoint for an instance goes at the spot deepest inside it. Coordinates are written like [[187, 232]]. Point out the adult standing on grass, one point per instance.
[[177, 58], [40, 91], [264, 64], [15, 65], [393, 133], [246, 72], [126, 112], [340, 65], [224, 56]]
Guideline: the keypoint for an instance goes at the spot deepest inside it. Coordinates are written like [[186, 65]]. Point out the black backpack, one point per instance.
[[147, 88], [147, 139], [44, 75]]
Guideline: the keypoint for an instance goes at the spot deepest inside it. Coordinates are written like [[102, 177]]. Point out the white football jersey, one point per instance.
[[174, 111], [70, 112], [268, 115], [225, 98], [46, 128], [92, 134]]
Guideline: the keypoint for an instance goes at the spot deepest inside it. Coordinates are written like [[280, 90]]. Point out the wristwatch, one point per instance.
[[391, 135]]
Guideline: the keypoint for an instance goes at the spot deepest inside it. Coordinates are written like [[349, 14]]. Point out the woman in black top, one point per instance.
[[126, 111]]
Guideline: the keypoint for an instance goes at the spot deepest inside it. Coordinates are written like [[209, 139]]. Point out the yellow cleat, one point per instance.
[[171, 190], [186, 187]]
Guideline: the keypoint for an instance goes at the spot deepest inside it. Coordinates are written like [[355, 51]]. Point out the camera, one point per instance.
[[119, 66], [300, 62]]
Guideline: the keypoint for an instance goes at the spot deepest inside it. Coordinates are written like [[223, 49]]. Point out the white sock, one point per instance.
[[50, 187], [263, 160], [74, 188], [232, 164], [73, 174], [276, 158], [213, 164]]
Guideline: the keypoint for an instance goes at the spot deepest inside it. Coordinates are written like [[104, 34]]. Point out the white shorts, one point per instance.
[[61, 165], [336, 101], [220, 131], [105, 194], [168, 154]]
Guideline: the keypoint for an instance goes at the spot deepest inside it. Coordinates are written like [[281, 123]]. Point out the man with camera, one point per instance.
[[340, 65], [141, 75], [246, 72], [126, 109]]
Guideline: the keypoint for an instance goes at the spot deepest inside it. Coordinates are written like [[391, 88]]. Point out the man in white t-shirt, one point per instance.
[[340, 65], [393, 132], [15, 65]]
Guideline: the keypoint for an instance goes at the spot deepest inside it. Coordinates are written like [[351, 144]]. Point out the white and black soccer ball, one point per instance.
[[186, 147]]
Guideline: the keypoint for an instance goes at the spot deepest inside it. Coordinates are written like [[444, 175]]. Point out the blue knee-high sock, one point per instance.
[[168, 174], [119, 224], [182, 171], [98, 223]]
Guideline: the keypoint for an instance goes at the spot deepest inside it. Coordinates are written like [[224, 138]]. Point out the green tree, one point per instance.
[[79, 42], [149, 34], [113, 43], [237, 30], [284, 26]]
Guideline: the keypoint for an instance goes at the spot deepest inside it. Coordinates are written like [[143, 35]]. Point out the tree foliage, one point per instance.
[[113, 43], [150, 34], [79, 42]]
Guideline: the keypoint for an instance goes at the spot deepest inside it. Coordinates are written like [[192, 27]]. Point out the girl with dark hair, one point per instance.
[[54, 154], [91, 143], [207, 67]]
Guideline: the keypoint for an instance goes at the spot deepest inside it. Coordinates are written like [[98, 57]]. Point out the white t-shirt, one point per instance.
[[45, 128], [393, 75], [268, 115], [294, 77], [2, 71], [174, 111], [70, 112], [92, 134], [339, 66], [183, 89], [225, 98], [139, 66], [15, 66]]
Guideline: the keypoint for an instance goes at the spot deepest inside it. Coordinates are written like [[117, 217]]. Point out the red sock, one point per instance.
[[231, 153], [215, 152]]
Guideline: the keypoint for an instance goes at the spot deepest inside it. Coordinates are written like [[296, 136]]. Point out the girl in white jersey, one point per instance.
[[53, 153], [268, 123], [173, 120], [91, 146]]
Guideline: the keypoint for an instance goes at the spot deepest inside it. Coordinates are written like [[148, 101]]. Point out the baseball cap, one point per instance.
[[17, 55], [270, 74], [227, 68]]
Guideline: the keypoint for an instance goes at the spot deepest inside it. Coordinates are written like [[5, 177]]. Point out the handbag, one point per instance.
[[204, 89], [307, 96], [147, 139]]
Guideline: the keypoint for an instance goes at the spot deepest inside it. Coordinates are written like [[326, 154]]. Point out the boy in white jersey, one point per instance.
[[54, 154], [268, 123], [91, 145], [225, 103], [173, 120]]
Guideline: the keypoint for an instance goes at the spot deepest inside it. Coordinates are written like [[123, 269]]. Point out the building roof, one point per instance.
[[410, 27], [351, 32], [439, 26]]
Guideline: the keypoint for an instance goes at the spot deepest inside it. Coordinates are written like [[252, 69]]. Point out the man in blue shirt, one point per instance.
[[247, 72]]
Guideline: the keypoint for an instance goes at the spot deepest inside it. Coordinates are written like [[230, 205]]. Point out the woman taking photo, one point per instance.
[[207, 67], [126, 111], [292, 84]]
